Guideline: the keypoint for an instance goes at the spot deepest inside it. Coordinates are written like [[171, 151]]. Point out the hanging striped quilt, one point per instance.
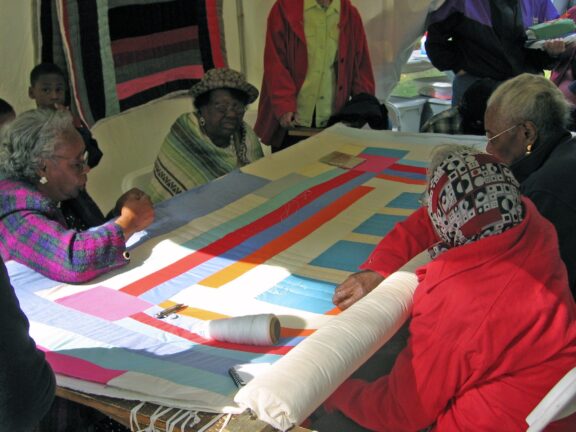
[[276, 237], [120, 54]]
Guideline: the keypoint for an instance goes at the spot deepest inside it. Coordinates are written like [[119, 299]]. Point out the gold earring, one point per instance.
[[529, 149], [202, 121]]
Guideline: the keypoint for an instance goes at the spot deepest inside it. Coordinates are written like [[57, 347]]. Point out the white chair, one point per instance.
[[560, 402], [139, 178], [405, 113], [394, 116]]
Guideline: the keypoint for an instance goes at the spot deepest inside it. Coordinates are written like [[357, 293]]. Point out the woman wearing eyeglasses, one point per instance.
[[210, 142], [43, 162], [526, 126]]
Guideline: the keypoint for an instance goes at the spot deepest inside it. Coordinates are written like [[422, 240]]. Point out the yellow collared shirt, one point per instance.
[[318, 91]]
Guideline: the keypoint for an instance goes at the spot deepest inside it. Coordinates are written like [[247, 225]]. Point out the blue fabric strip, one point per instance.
[[391, 153], [406, 200], [302, 293], [378, 225], [344, 255]]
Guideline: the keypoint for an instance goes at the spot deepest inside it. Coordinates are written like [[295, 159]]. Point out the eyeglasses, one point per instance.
[[502, 133], [79, 165], [236, 107]]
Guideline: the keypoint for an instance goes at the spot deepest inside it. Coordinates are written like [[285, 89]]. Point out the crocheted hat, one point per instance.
[[224, 78]]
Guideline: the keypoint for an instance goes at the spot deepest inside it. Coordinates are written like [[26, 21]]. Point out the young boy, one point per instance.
[[48, 87]]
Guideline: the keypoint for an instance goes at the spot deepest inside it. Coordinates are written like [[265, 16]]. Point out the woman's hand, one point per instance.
[[136, 212], [555, 47], [133, 193], [288, 120], [355, 287]]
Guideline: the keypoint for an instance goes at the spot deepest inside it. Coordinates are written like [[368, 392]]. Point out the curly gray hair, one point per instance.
[[29, 139]]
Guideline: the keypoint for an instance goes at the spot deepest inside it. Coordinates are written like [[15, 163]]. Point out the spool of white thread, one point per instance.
[[261, 329]]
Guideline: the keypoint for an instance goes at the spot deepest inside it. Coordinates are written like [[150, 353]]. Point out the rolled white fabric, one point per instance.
[[298, 383], [263, 329]]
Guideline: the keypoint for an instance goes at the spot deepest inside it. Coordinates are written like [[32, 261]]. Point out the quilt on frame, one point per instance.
[[276, 237]]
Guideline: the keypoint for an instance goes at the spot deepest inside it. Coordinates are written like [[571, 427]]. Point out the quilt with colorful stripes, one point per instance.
[[121, 54], [276, 237]]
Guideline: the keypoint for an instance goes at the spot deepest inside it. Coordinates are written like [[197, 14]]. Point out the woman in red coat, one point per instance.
[[493, 324], [286, 65]]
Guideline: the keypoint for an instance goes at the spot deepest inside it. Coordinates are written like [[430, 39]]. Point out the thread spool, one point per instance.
[[263, 329]]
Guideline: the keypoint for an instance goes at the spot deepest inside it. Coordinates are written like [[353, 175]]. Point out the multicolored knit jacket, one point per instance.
[[34, 233]]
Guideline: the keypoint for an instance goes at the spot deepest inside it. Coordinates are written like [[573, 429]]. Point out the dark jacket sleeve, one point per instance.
[[561, 214], [27, 383], [441, 50]]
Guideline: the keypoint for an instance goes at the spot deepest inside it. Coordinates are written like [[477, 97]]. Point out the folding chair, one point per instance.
[[560, 402], [138, 178]]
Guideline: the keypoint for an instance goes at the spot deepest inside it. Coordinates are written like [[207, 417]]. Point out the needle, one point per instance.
[[171, 310]]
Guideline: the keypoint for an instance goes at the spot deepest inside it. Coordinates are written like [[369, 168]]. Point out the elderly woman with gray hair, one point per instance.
[[492, 326], [526, 126], [43, 162]]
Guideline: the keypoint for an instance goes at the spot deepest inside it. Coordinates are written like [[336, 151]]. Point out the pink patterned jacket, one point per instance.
[[33, 232]]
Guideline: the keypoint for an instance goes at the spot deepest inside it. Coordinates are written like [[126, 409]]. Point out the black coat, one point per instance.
[[27, 383], [547, 177]]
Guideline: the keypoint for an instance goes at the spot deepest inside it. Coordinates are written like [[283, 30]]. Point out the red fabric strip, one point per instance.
[[401, 179], [130, 88], [188, 335], [165, 54], [153, 41], [408, 168], [233, 239], [287, 332], [73, 71], [214, 31]]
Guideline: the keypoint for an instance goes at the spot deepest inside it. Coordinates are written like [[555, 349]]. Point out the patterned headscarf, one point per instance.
[[471, 196]]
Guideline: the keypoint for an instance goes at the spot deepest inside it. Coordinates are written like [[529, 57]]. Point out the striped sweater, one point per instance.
[[188, 158], [33, 232]]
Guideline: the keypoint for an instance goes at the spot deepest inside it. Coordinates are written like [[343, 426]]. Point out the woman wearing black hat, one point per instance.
[[210, 142]]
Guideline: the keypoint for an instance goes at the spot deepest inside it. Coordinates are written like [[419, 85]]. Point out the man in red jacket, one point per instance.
[[493, 326], [316, 57]]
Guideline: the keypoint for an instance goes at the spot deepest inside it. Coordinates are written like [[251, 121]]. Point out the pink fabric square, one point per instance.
[[105, 303], [375, 164], [78, 368]]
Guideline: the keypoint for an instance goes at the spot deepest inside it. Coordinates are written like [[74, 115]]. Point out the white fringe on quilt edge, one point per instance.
[[181, 419]]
